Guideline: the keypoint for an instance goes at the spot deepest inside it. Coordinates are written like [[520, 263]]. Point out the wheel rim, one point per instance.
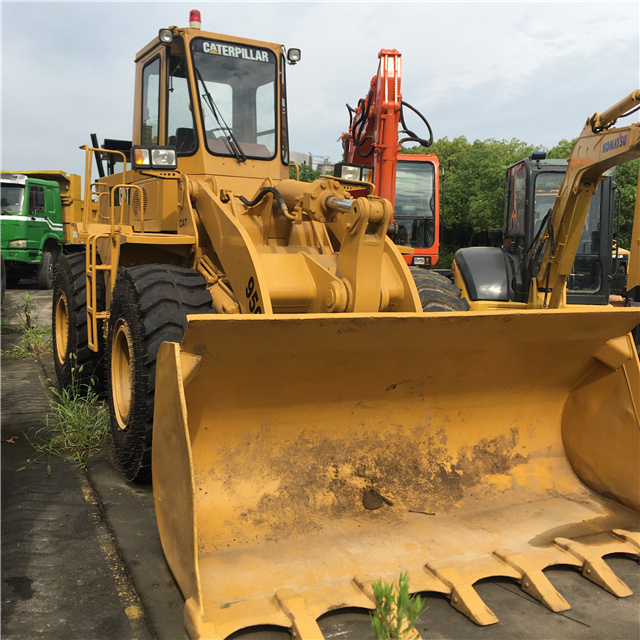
[[62, 327], [121, 373]]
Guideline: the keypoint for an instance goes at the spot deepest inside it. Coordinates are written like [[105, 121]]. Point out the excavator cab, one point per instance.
[[497, 275], [531, 189]]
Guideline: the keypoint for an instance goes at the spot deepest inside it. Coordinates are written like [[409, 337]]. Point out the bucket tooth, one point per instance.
[[631, 537], [594, 568], [533, 581], [464, 598], [304, 625]]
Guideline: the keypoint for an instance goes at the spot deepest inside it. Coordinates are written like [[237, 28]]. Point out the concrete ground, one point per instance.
[[81, 556]]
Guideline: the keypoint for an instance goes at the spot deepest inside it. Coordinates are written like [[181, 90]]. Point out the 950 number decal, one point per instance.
[[252, 296]]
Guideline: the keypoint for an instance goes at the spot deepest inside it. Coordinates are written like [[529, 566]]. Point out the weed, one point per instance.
[[79, 426], [34, 343], [35, 340], [26, 307], [396, 612]]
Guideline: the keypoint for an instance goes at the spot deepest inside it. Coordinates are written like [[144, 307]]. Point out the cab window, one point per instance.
[[180, 121], [150, 102], [516, 200], [237, 93]]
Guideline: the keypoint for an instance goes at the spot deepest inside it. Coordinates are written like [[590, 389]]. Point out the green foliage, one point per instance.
[[473, 188], [79, 426], [26, 307], [627, 180], [396, 611], [35, 340], [307, 173], [562, 150]]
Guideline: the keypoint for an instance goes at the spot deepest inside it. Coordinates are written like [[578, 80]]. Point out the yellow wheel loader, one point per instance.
[[308, 427]]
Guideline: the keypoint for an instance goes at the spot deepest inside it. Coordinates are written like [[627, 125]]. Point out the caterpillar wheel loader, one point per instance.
[[308, 426]]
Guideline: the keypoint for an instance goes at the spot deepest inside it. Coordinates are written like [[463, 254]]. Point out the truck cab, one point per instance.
[[32, 230]]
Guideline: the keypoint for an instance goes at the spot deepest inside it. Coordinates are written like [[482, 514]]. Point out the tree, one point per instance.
[[627, 179], [473, 187], [562, 150], [307, 173]]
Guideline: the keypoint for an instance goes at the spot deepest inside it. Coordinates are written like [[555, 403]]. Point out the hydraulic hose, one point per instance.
[[412, 136], [277, 195]]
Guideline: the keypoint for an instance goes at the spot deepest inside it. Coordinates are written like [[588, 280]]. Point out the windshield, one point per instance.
[[586, 273], [12, 198], [414, 210], [237, 93]]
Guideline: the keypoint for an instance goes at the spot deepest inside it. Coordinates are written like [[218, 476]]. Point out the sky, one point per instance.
[[533, 71]]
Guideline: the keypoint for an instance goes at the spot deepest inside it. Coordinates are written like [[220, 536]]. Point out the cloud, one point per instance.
[[532, 70]]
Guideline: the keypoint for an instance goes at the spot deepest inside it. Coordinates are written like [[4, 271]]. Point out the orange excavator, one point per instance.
[[409, 181]]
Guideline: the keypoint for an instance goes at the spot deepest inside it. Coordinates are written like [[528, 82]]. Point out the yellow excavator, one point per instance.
[[309, 429]]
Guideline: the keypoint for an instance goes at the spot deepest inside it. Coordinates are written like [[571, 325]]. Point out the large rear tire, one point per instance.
[[76, 365], [149, 306], [437, 292]]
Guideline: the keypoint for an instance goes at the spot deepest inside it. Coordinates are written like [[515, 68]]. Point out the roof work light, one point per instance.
[[194, 19]]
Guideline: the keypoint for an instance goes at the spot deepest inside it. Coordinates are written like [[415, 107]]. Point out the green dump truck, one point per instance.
[[36, 209]]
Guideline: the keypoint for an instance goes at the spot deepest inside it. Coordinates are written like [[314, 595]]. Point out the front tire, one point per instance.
[[76, 365], [437, 292], [149, 306], [46, 269]]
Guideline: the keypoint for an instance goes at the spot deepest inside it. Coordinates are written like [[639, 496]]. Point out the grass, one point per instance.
[[396, 611], [35, 340], [78, 425]]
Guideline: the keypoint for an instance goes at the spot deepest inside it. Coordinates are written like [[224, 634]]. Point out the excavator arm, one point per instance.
[[373, 133], [599, 147]]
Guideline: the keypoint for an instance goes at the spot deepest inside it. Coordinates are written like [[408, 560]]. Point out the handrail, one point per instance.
[[87, 176]]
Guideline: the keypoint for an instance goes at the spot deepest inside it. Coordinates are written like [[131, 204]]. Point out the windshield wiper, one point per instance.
[[232, 143]]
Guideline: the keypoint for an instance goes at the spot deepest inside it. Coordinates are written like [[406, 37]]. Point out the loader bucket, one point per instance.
[[298, 458]]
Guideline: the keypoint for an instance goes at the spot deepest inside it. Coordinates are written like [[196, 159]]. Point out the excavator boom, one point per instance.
[[411, 182]]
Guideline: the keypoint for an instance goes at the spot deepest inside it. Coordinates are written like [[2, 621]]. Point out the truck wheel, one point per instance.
[[46, 269], [149, 306], [437, 292], [76, 365]]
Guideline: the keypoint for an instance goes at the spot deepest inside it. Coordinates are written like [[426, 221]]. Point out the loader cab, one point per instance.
[[531, 190], [218, 101]]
